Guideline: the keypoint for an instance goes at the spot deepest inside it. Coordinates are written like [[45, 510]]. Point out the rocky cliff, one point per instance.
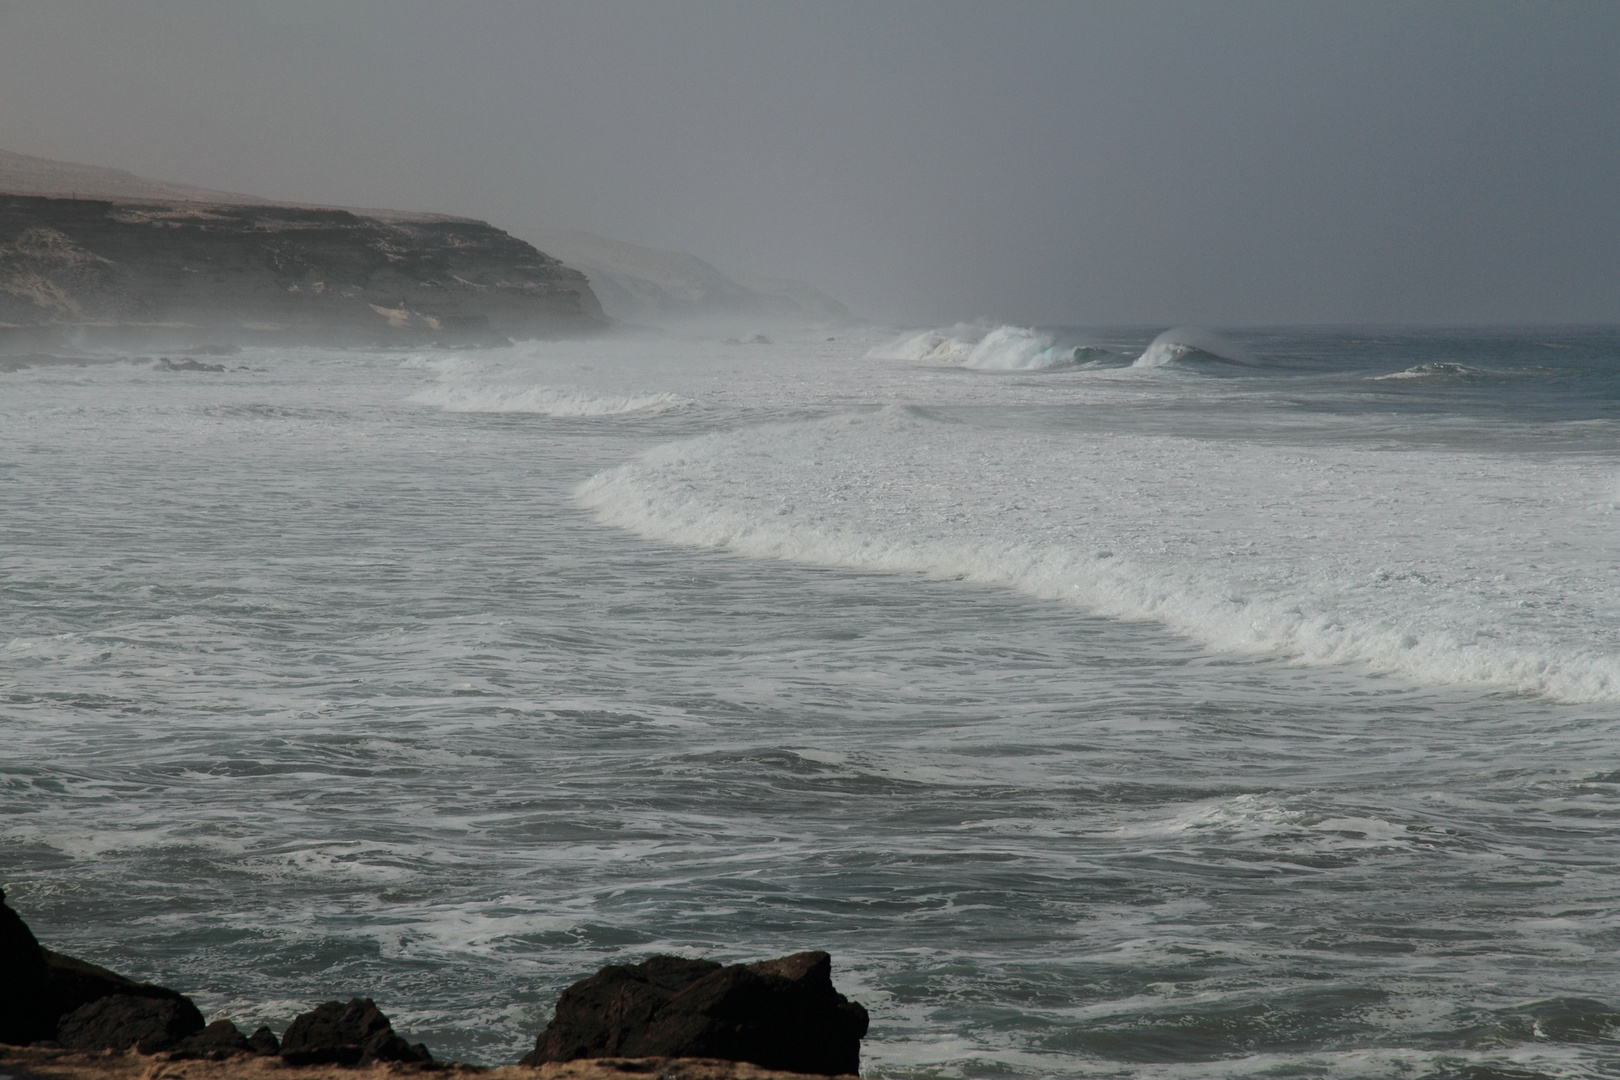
[[184, 270], [246, 268]]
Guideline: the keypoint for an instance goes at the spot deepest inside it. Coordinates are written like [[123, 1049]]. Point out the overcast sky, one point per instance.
[[1218, 163]]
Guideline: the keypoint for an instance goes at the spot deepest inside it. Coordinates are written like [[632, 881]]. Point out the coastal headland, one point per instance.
[[91, 255], [172, 273]]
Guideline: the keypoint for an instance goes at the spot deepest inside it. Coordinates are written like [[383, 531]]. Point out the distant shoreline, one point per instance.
[[175, 274]]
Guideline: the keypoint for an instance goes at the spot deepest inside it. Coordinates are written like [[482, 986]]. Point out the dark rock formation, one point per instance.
[[263, 1041], [221, 1039], [71, 984], [353, 1034], [22, 982], [120, 1021], [171, 271], [38, 988], [780, 1014]]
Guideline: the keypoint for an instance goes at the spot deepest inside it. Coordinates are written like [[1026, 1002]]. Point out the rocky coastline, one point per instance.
[[688, 1019], [134, 273]]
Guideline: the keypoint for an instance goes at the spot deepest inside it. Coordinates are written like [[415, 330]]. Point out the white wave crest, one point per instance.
[[1015, 348], [544, 401], [975, 345], [950, 345], [1187, 341], [1437, 370], [1433, 565]]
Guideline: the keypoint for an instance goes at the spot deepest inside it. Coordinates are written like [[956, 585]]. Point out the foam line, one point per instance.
[[1446, 567], [544, 401]]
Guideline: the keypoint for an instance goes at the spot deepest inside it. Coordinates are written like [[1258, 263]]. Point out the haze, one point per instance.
[[1038, 163]]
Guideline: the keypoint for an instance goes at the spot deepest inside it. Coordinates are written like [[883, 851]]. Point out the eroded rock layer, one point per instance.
[[184, 270]]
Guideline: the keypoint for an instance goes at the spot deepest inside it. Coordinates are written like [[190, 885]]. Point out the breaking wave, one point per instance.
[[1430, 371], [1444, 371], [1405, 564], [1186, 343], [986, 348]]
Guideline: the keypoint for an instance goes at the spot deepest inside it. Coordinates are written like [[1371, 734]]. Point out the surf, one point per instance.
[[1185, 345], [555, 401], [1242, 547], [479, 386], [983, 347]]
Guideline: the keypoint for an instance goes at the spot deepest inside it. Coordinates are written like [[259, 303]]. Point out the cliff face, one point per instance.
[[177, 271]]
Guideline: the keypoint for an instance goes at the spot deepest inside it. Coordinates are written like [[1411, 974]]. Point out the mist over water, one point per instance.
[[1252, 712]]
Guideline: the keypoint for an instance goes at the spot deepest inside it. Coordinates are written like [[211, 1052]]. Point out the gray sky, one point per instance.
[[1141, 162]]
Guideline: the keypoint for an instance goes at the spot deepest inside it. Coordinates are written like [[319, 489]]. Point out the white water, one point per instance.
[[981, 347], [544, 401], [1449, 567], [1194, 721], [462, 388], [1182, 342]]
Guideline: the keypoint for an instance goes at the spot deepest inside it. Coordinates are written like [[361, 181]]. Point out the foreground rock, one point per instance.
[[46, 997], [353, 1034], [780, 1014], [22, 981], [122, 1021], [223, 1039], [691, 1019], [171, 272], [39, 989]]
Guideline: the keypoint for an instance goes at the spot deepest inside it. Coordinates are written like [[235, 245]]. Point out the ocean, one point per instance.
[[1107, 703]]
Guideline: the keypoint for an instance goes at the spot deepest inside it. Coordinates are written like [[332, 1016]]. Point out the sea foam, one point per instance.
[[558, 401], [1447, 567], [984, 347]]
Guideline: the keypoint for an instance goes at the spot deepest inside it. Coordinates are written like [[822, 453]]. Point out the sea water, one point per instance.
[[1107, 703]]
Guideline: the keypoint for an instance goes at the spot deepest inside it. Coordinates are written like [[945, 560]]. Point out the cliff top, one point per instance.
[[23, 174]]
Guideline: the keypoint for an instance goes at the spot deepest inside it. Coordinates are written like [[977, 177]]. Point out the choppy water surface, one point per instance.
[[1249, 712]]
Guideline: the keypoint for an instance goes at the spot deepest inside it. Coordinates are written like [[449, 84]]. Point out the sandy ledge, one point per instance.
[[40, 1063]]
